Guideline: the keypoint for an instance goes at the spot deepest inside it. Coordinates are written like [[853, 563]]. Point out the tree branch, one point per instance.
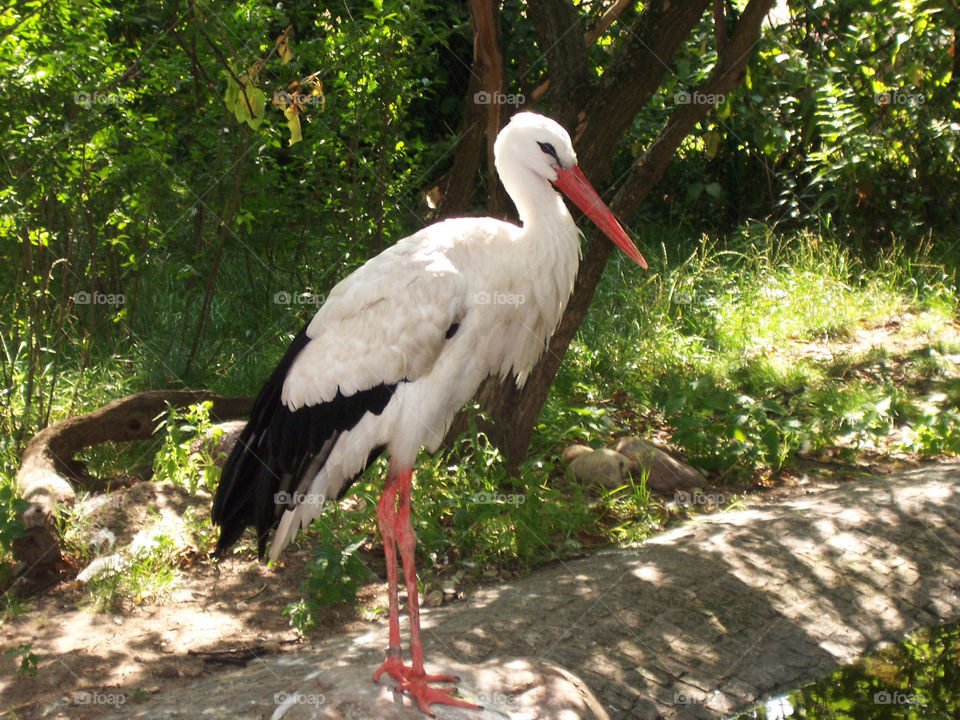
[[609, 17], [632, 77], [726, 76], [477, 120]]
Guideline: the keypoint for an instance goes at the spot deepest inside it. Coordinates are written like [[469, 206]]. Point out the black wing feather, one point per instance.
[[277, 448]]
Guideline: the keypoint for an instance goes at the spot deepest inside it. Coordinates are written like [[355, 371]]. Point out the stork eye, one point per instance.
[[549, 150]]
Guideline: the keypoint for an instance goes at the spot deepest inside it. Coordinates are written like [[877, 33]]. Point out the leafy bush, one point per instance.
[[936, 431], [332, 577], [11, 527], [177, 461]]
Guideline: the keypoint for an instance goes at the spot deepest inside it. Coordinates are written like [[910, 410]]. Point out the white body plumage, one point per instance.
[[387, 322]]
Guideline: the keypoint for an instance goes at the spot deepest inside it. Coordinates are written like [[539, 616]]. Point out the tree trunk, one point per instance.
[[632, 77], [480, 120]]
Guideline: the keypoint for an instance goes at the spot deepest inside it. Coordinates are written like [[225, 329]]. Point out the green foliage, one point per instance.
[[140, 216], [936, 431], [468, 509], [332, 575], [724, 429], [177, 461], [915, 678], [705, 344], [28, 659], [846, 124], [143, 572], [11, 527]]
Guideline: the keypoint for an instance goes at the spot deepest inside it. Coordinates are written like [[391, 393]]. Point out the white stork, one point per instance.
[[397, 349]]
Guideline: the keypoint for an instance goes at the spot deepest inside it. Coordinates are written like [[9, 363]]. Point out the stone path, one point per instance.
[[695, 623]]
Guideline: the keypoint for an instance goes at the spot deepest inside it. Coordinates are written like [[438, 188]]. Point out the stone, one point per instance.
[[665, 474], [604, 467], [520, 688], [116, 519], [572, 452], [224, 444]]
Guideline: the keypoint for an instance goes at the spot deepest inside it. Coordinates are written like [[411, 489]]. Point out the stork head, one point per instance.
[[543, 148]]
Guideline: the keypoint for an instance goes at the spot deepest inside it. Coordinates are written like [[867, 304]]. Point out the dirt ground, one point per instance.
[[233, 605], [93, 658]]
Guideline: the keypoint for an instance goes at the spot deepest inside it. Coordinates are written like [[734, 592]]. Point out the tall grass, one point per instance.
[[704, 345]]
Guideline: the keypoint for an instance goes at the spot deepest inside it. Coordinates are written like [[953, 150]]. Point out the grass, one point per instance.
[[147, 574], [748, 357], [716, 349]]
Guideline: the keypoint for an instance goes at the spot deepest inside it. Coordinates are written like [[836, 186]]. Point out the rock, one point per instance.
[[572, 452], [605, 467], [434, 598], [113, 563], [665, 473], [116, 518], [299, 688], [221, 449]]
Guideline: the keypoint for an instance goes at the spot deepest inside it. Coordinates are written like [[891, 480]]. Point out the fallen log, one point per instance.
[[49, 469]]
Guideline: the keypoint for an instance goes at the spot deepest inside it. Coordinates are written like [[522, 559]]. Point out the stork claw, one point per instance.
[[416, 684], [426, 696], [394, 667]]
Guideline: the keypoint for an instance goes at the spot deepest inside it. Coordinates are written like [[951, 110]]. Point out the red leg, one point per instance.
[[387, 520], [416, 681]]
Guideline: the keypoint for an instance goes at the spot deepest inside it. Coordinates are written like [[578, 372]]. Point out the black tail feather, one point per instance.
[[277, 447]]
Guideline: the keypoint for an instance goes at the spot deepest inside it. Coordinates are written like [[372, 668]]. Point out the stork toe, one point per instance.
[[426, 696]]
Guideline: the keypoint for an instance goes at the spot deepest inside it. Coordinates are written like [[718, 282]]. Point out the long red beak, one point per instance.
[[575, 186]]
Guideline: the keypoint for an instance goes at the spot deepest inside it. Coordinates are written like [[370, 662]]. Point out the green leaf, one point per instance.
[[293, 124], [258, 101]]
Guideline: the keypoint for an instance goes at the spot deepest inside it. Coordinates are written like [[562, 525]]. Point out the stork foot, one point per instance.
[[426, 696], [416, 684]]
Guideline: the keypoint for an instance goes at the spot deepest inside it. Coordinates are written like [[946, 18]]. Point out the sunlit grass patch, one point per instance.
[[754, 350]]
